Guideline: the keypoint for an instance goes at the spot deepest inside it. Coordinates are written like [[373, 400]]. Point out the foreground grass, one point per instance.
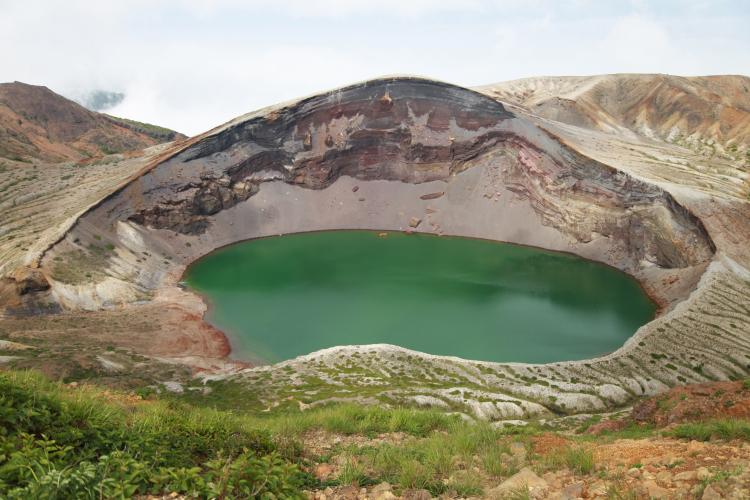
[[353, 419], [458, 459], [61, 442], [726, 429], [88, 442], [58, 443]]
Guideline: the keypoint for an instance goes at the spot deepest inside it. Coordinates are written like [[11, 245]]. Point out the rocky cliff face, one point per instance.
[[407, 130]]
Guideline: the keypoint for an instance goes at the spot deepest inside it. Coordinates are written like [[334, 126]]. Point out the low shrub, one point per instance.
[[721, 428], [59, 443]]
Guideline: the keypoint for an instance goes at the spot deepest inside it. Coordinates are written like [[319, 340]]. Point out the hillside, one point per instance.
[[708, 112], [82, 441], [36, 123]]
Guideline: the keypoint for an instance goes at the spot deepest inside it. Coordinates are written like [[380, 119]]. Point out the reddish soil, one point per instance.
[[166, 331], [695, 402], [548, 442], [38, 123]]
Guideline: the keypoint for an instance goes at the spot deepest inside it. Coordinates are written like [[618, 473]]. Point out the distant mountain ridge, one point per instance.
[[37, 123], [703, 111]]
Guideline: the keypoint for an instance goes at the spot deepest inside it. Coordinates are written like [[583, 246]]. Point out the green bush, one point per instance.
[[57, 443], [722, 429]]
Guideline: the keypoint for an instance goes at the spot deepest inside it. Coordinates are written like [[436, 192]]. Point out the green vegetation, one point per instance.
[[456, 459], [57, 443], [82, 266], [357, 419], [721, 428], [577, 458], [63, 442], [154, 131]]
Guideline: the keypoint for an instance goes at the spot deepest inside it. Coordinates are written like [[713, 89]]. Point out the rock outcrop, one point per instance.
[[30, 280]]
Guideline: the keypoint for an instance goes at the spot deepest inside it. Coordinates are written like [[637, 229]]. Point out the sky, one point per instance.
[[191, 65]]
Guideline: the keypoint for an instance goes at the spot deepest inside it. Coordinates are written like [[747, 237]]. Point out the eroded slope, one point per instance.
[[37, 123], [707, 113]]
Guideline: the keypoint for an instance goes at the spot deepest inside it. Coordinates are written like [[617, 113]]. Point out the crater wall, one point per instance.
[[391, 154]]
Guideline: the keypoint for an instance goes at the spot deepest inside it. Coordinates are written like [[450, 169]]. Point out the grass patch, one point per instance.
[[496, 463], [61, 443], [632, 431], [466, 483], [445, 460], [721, 429], [352, 473], [82, 266], [576, 458], [153, 131], [364, 420], [586, 424]]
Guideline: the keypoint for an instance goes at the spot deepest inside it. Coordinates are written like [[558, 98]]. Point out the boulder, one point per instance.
[[572, 491], [650, 489], [710, 493], [525, 479], [418, 495], [432, 196], [382, 491], [688, 475]]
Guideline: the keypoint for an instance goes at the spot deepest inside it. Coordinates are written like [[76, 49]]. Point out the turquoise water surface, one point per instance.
[[279, 297]]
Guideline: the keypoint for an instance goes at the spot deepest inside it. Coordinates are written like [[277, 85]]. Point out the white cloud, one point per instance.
[[341, 8], [638, 44], [192, 64]]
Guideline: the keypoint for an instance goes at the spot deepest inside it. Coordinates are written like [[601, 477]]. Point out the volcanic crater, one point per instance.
[[417, 155]]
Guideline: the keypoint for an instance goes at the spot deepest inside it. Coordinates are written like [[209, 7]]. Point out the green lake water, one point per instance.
[[280, 297]]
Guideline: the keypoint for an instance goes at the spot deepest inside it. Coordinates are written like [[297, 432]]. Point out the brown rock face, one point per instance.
[[30, 280], [406, 129], [413, 130], [695, 403], [196, 201]]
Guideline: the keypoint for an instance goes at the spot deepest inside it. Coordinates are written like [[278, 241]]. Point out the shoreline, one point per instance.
[[658, 302]]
